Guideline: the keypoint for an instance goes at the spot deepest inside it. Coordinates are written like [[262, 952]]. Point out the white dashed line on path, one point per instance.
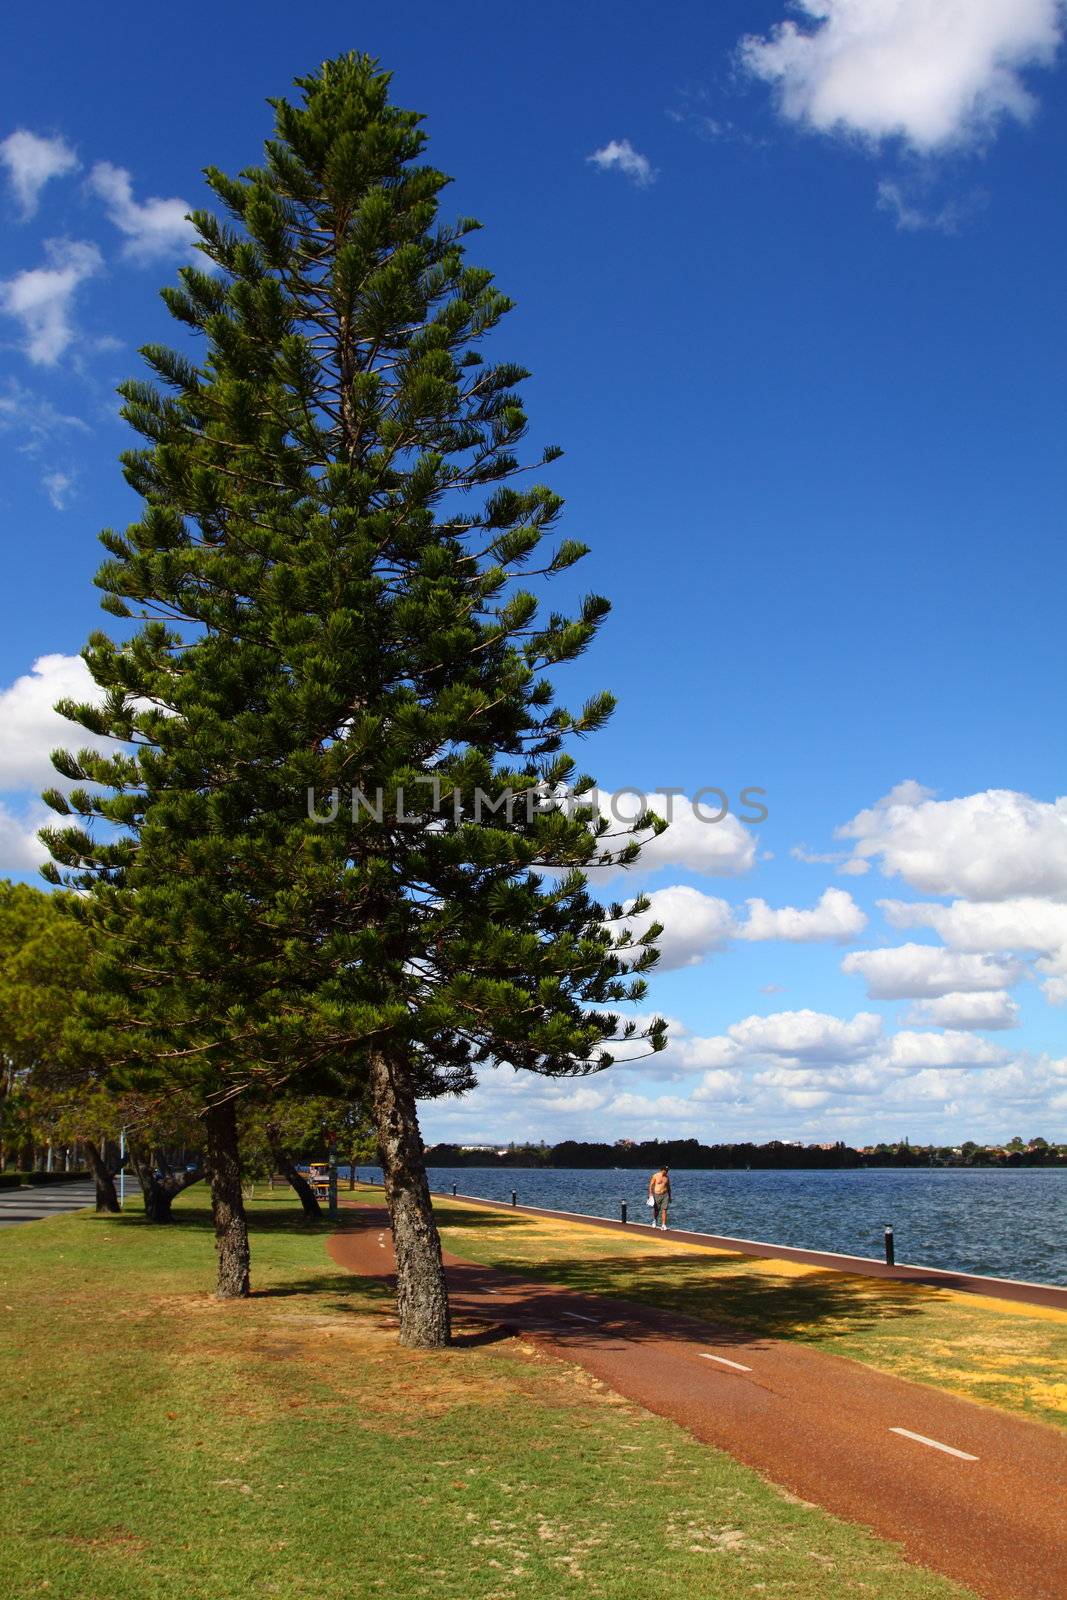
[[704, 1356], [935, 1444], [577, 1316]]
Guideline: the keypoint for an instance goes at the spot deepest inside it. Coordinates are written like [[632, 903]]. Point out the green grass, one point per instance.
[[160, 1444], [1012, 1358]]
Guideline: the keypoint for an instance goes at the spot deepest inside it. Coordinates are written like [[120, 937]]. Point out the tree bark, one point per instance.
[[227, 1202], [421, 1292], [106, 1195], [287, 1167]]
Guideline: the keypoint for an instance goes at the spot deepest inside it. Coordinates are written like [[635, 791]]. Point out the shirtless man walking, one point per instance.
[[659, 1187]]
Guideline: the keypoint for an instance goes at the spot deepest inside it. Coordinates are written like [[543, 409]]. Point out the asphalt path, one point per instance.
[[44, 1200], [975, 1493]]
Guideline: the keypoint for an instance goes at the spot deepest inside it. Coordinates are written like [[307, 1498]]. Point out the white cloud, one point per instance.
[[41, 298], [718, 1084], [59, 487], [621, 155], [994, 845], [931, 73], [916, 1052], [857, 1079], [836, 916], [20, 849], [30, 729], [153, 227], [721, 849], [708, 1054], [693, 924], [991, 1009], [1028, 923], [806, 1037], [915, 971], [31, 162], [665, 1108]]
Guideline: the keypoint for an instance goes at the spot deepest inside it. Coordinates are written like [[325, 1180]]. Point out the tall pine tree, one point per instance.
[[330, 621]]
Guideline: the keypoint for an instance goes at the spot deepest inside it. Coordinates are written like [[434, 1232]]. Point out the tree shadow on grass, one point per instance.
[[739, 1295], [350, 1287], [282, 1219], [729, 1294], [447, 1217]]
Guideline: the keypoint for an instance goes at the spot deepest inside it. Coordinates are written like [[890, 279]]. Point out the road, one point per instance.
[[46, 1200], [972, 1492]]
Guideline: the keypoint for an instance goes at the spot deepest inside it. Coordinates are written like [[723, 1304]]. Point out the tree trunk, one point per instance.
[[421, 1292], [227, 1203], [156, 1200], [159, 1193], [287, 1167], [106, 1196]]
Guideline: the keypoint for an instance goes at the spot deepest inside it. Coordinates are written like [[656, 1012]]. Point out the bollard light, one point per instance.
[[624, 1210], [453, 1190], [514, 1197], [890, 1249]]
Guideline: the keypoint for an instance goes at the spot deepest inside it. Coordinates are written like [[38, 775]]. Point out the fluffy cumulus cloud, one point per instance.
[[790, 1075], [20, 849], [30, 162], [1001, 855], [836, 916], [696, 924], [1028, 923], [992, 1009], [952, 1050], [994, 845], [41, 299], [619, 155], [913, 971], [931, 73], [32, 728], [152, 227], [804, 1037], [701, 837], [693, 924]]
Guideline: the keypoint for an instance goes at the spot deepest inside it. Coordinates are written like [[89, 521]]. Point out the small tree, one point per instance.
[[43, 960], [327, 582]]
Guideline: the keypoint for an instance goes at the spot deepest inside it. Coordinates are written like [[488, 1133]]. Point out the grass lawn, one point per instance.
[[160, 1444], [998, 1352]]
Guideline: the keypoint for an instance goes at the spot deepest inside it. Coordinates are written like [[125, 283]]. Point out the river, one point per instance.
[[1007, 1223]]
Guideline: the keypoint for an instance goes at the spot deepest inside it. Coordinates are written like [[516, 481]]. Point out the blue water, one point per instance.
[[1007, 1224]]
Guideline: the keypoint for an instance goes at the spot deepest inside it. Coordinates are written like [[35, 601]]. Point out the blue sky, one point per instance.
[[790, 283]]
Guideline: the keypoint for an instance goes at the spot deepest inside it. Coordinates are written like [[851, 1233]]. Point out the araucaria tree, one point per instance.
[[327, 590]]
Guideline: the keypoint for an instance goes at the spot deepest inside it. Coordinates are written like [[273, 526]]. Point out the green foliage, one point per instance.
[[328, 587]]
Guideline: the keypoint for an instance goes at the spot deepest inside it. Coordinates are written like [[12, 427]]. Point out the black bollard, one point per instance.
[[624, 1211], [453, 1188], [514, 1197], [890, 1251]]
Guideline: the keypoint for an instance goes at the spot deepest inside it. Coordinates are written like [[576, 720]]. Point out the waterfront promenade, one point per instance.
[[969, 1490], [1014, 1289]]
